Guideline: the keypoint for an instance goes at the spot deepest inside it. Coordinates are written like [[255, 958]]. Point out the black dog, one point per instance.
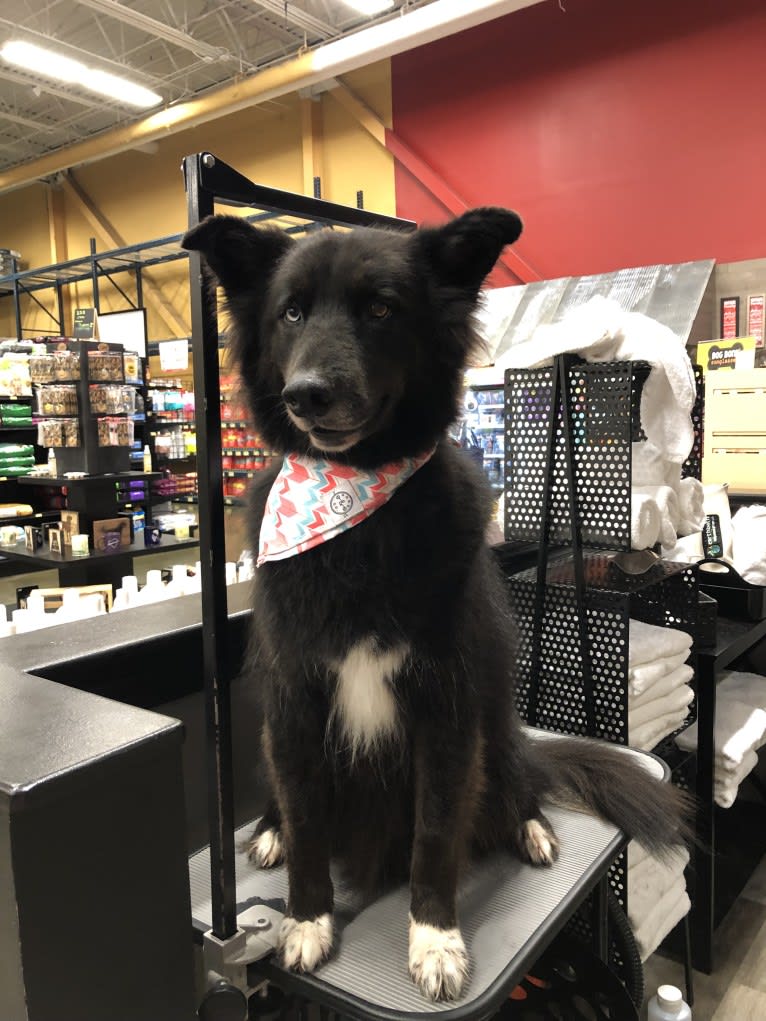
[[386, 654]]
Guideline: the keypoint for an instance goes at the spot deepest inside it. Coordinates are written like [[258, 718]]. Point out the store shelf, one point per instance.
[[181, 498], [236, 423], [234, 501], [242, 473], [258, 451]]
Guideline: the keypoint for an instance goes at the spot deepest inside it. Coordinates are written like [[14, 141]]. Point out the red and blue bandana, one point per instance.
[[313, 500]]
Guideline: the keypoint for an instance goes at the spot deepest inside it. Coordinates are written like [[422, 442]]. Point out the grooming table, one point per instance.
[[509, 912]]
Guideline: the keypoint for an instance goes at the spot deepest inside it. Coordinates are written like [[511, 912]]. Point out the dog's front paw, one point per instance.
[[438, 961], [266, 849], [304, 945]]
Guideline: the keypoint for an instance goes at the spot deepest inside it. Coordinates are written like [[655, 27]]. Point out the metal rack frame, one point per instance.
[[92, 267], [209, 181]]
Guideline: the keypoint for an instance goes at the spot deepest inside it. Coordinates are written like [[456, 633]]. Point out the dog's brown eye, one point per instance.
[[379, 310], [292, 314]]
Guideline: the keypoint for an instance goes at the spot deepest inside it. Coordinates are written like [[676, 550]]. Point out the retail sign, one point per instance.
[[84, 327], [174, 355], [729, 318], [713, 355], [755, 305]]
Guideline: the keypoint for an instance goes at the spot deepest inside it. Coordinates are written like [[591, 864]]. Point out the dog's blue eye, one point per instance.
[[379, 310], [292, 314]]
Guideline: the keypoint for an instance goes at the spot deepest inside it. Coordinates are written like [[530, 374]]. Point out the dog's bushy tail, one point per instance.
[[612, 783]]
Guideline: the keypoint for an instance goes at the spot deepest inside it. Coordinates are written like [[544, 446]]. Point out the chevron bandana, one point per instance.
[[313, 500]]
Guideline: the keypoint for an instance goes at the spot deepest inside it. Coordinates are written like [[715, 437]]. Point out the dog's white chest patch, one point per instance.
[[365, 704]]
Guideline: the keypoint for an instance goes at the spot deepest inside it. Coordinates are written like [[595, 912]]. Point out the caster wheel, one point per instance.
[[223, 1002], [268, 1006]]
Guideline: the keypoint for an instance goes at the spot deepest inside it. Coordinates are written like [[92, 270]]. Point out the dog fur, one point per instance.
[[386, 655]]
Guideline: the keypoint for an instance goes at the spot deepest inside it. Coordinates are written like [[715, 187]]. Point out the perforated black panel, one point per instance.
[[692, 467], [604, 408], [665, 596]]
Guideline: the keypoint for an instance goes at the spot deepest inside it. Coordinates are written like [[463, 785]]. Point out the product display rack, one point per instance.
[[94, 268], [568, 445], [89, 455]]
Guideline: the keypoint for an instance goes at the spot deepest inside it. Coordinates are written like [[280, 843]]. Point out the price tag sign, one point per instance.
[[84, 325]]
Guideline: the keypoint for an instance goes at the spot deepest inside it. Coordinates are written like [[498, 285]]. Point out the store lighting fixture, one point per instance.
[[370, 7], [415, 28], [48, 64]]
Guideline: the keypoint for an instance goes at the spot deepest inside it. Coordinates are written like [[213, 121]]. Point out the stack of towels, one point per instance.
[[657, 897], [659, 691], [740, 730], [663, 505], [743, 536]]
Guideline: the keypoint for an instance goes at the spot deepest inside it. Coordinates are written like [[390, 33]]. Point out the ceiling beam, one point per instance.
[[156, 28], [34, 83], [302, 20], [99, 223], [27, 122]]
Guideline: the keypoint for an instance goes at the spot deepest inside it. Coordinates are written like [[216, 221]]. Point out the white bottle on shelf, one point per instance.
[[154, 590], [178, 585], [147, 458], [668, 1004], [36, 609], [21, 621], [130, 588], [52, 467]]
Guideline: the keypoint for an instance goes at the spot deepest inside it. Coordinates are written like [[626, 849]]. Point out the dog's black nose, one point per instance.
[[308, 396]]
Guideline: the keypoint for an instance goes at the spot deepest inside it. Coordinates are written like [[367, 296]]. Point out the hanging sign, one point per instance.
[[174, 355], [729, 318]]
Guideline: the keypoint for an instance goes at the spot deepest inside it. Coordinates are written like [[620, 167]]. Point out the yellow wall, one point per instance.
[[142, 195]]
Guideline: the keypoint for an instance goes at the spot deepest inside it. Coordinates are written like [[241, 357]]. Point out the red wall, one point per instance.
[[625, 133]]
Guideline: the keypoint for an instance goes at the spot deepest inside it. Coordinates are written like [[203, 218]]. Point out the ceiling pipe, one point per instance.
[[421, 26]]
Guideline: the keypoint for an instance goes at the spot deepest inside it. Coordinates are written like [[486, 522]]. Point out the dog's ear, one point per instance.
[[464, 251], [239, 255]]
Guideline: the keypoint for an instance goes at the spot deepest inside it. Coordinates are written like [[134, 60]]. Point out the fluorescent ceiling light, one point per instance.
[[48, 64], [415, 28], [370, 7]]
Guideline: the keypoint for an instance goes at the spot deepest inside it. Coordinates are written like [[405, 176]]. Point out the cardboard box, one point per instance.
[[121, 525]]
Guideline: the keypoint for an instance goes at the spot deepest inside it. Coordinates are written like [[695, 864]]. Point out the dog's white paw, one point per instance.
[[266, 850], [304, 945], [539, 842], [438, 961]]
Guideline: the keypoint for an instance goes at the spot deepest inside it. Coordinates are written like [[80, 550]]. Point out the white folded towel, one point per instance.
[[744, 687], [661, 688], [686, 550], [645, 521], [666, 915], [666, 499], [726, 785], [649, 466], [738, 729], [601, 330], [691, 499], [643, 676], [637, 853], [658, 708], [649, 642], [650, 880], [648, 735], [749, 543]]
